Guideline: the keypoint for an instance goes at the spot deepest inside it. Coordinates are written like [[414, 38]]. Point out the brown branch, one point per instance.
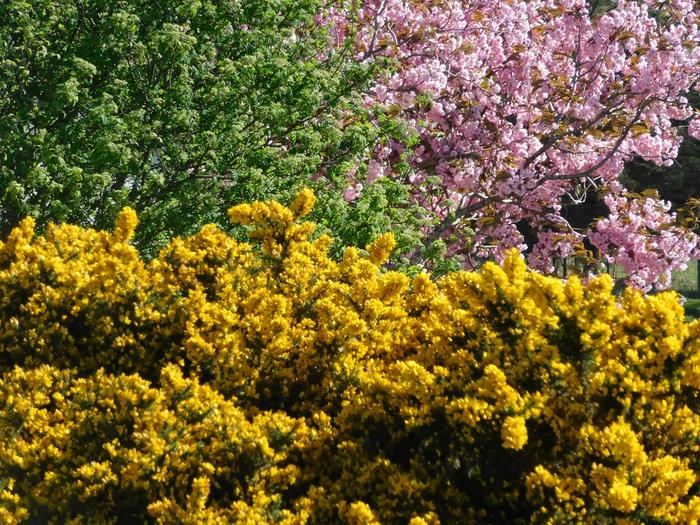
[[607, 157]]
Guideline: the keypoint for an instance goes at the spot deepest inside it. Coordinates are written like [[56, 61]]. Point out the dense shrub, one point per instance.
[[267, 383]]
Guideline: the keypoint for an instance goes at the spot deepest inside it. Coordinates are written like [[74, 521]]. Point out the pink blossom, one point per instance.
[[534, 104], [639, 236], [352, 192], [694, 128]]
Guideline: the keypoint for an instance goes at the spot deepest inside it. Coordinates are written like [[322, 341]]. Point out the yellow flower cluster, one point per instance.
[[226, 382]]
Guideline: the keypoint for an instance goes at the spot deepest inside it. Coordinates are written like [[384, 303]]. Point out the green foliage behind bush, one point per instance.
[[180, 108]]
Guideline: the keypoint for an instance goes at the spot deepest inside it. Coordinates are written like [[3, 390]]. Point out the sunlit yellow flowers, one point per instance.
[[266, 382]]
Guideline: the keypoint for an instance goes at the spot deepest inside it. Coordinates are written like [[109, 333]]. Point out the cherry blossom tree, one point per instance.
[[522, 109]]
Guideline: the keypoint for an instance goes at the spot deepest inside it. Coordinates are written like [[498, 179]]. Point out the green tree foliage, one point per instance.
[[178, 108]]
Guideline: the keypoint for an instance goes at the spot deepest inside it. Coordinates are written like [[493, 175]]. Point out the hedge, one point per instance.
[[265, 382]]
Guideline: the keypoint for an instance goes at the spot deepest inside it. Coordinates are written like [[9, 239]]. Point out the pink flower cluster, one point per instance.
[[525, 106], [639, 235]]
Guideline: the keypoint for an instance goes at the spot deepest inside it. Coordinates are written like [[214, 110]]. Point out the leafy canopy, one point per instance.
[[177, 108]]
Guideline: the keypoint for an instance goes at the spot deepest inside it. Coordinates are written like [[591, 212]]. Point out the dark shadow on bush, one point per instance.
[[692, 306]]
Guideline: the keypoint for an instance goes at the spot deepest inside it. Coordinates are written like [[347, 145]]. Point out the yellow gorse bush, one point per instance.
[[226, 382]]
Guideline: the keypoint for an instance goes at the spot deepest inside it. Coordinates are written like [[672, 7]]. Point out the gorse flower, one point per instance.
[[227, 382]]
